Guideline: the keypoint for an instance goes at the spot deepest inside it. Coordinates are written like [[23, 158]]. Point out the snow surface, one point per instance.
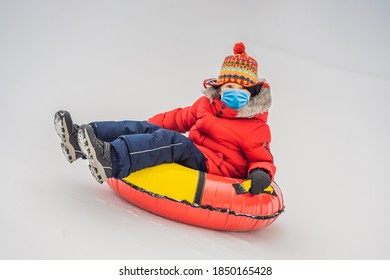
[[329, 69]]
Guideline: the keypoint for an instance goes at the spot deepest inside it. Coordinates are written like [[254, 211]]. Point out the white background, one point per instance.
[[329, 69]]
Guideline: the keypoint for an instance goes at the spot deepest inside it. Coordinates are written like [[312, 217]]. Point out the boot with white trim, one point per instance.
[[97, 152], [67, 131]]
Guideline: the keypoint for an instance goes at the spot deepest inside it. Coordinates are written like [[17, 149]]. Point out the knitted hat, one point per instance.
[[239, 68]]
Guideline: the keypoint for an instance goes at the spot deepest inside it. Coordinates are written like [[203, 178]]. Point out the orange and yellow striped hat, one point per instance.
[[239, 68]]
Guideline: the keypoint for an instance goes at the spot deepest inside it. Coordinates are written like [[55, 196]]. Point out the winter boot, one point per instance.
[[68, 134], [97, 152]]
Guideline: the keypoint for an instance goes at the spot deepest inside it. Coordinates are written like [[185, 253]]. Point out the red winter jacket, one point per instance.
[[232, 146]]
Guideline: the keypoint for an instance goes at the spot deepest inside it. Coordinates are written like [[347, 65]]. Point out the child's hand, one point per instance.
[[260, 180]]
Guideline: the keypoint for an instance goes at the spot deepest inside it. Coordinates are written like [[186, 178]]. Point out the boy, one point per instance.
[[228, 132]]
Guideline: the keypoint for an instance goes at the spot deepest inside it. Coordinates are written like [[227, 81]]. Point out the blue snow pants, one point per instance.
[[138, 144]]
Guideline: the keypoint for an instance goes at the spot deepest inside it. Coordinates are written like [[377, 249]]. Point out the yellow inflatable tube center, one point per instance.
[[171, 180], [177, 182]]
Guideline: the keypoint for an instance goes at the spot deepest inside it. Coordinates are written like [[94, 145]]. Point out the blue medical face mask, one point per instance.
[[235, 98]]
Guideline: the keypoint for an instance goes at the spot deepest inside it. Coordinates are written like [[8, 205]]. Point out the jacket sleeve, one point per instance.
[[180, 119], [258, 152]]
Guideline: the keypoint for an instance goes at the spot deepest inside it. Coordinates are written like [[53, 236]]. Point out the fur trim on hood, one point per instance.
[[258, 104]]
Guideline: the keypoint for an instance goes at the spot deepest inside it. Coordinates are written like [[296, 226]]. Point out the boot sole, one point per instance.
[[96, 168], [63, 132]]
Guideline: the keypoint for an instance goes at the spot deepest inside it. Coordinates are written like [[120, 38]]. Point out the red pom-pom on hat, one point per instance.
[[239, 48]]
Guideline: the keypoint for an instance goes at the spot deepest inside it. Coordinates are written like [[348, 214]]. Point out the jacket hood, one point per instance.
[[258, 104]]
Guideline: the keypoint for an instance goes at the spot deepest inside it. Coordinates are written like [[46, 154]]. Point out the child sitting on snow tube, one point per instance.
[[228, 132]]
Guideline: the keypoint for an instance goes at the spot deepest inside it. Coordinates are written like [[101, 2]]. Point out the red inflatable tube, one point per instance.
[[218, 205]]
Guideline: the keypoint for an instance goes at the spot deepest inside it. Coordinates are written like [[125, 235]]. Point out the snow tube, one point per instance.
[[200, 199]]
